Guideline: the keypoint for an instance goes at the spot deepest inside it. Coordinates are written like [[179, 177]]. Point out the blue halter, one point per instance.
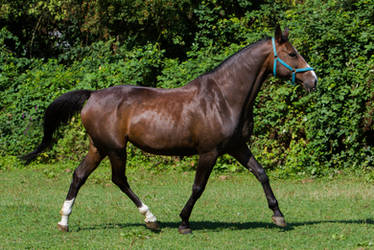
[[294, 71]]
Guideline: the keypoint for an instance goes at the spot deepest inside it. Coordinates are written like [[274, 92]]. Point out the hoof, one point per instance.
[[184, 230], [63, 228], [153, 226], [279, 221]]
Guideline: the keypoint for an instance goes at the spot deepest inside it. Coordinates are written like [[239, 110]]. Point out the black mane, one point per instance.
[[238, 52]]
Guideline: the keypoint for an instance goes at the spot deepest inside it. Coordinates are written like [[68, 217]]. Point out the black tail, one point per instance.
[[58, 112]]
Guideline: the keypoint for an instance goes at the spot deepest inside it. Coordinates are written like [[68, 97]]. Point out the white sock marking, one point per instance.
[[149, 217], [66, 211]]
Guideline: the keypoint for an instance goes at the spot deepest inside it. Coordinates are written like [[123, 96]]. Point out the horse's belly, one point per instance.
[[164, 145], [161, 135]]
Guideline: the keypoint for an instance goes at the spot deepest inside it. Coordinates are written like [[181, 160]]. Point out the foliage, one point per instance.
[[50, 47], [58, 25]]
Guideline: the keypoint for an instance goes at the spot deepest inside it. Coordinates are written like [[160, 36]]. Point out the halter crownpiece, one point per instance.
[[294, 71]]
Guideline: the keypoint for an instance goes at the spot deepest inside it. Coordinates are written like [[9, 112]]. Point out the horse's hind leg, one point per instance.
[[81, 173], [245, 157], [118, 160]]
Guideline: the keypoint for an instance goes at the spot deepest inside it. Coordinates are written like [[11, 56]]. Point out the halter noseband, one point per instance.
[[294, 71]]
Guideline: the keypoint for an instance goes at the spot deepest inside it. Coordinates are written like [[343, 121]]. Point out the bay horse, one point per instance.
[[210, 116]]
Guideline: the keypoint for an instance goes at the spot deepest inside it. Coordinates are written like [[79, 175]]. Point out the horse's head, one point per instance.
[[288, 63]]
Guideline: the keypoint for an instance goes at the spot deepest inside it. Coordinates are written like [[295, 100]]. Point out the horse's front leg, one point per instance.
[[245, 157], [206, 163]]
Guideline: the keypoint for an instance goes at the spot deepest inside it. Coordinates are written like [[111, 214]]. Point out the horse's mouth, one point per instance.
[[310, 89], [307, 87]]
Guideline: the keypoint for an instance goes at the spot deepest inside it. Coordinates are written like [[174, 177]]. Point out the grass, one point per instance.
[[232, 213]]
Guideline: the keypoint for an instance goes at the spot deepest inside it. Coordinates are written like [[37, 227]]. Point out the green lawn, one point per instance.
[[231, 214]]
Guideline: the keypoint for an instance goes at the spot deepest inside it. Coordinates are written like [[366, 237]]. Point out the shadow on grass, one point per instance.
[[218, 226]]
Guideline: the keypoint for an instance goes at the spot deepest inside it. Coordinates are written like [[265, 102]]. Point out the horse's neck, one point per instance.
[[242, 78]]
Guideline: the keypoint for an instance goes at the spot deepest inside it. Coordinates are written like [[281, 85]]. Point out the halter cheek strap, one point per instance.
[[294, 71]]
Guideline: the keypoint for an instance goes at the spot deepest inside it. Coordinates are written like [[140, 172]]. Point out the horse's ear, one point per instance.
[[285, 35], [280, 36]]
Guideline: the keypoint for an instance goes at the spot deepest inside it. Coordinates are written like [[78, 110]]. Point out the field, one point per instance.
[[232, 213]]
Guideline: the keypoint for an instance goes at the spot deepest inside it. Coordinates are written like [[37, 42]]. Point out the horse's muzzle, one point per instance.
[[314, 88], [310, 86]]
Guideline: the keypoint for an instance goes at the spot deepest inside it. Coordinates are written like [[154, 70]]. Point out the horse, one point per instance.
[[210, 116]]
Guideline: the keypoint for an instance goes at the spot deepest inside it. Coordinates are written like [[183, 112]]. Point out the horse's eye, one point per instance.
[[292, 54]]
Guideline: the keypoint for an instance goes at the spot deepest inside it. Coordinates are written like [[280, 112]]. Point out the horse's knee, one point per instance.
[[257, 170], [116, 180], [79, 178], [262, 176], [197, 190], [119, 181]]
